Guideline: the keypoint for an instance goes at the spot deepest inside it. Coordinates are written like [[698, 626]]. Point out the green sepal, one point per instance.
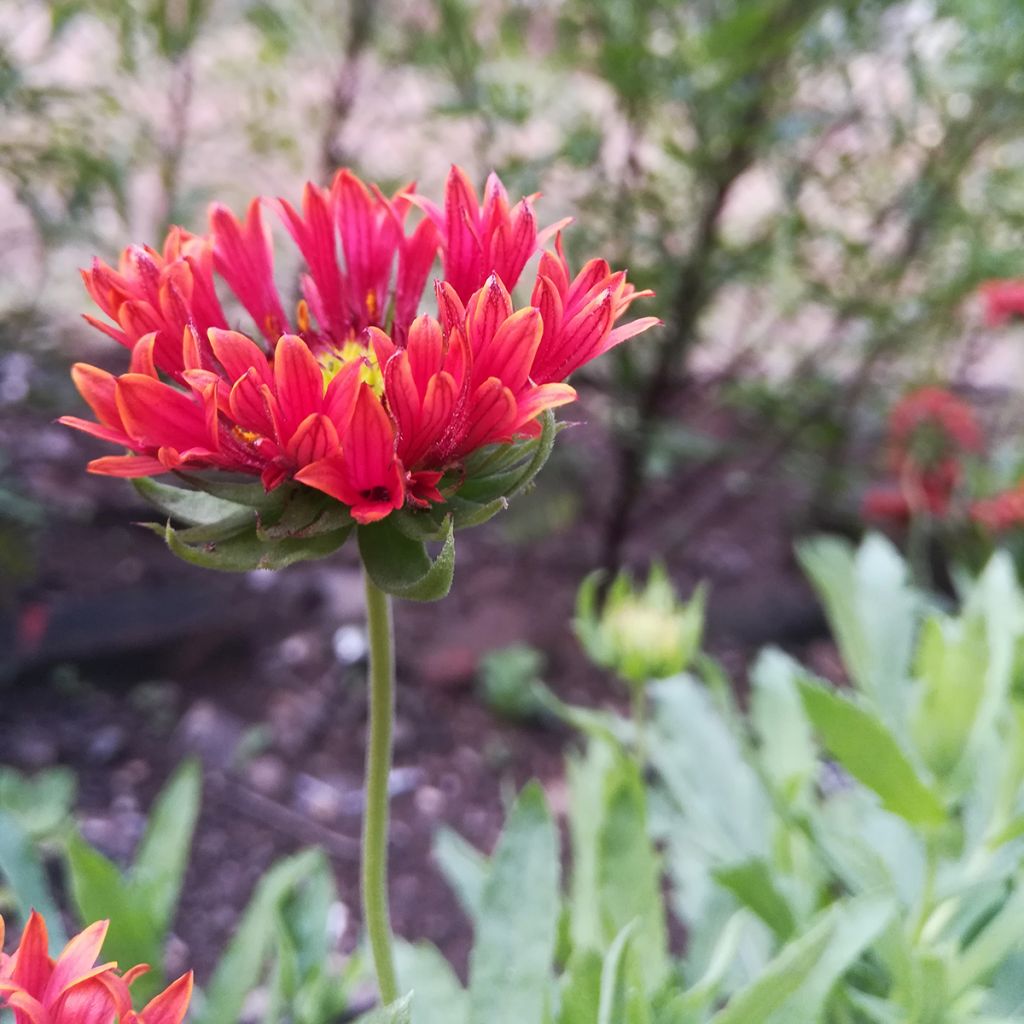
[[246, 551], [504, 474], [252, 495], [306, 513], [400, 565], [197, 508]]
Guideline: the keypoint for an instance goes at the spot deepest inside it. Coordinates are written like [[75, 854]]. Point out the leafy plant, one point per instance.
[[846, 855]]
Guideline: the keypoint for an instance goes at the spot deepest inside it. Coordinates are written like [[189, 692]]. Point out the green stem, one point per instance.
[[374, 879], [638, 707]]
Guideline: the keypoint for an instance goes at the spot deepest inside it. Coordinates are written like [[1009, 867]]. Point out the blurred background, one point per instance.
[[815, 190]]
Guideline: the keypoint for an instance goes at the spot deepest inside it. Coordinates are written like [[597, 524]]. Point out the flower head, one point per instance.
[[641, 633], [72, 989], [354, 393], [1001, 512], [930, 432], [1004, 300]]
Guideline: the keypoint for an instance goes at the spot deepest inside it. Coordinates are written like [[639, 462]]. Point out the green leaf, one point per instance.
[[872, 610], [510, 966], [24, 874], [587, 778], [781, 978], [786, 747], [860, 922], [629, 875], [1001, 936], [99, 891], [256, 936], [41, 804], [951, 664], [862, 744], [438, 998], [399, 1012], [611, 977], [581, 988], [464, 867], [163, 854], [751, 882], [401, 566]]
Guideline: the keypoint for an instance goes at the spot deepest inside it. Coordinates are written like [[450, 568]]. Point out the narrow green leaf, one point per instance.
[[860, 922], [753, 885], [99, 891], [399, 1012], [464, 867], [629, 875], [401, 566], [1001, 936], [242, 966], [438, 998], [163, 854], [24, 874], [611, 976], [581, 988], [781, 978], [785, 742], [510, 966], [862, 744], [872, 610]]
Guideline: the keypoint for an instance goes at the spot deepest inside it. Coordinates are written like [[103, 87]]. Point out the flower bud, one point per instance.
[[641, 633]]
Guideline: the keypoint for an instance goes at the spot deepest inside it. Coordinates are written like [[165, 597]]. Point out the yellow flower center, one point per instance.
[[333, 361]]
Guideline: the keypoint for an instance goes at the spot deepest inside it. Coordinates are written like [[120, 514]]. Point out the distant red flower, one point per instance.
[[353, 395], [932, 421], [1004, 300], [930, 430], [1001, 512], [72, 990]]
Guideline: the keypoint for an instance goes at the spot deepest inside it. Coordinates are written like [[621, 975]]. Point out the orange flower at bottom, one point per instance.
[[72, 989]]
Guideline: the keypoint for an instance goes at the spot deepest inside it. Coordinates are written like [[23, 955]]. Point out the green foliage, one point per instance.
[[140, 902], [34, 815], [510, 683], [284, 931]]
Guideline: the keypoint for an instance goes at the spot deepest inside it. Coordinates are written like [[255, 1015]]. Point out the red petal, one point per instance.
[[314, 439], [171, 1005], [99, 389], [32, 965], [299, 382], [127, 466], [238, 354], [510, 354], [488, 309], [492, 415], [156, 414]]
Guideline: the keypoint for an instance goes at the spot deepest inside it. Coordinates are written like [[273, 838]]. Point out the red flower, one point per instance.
[[1004, 300], [1001, 512], [579, 314], [932, 422], [355, 396], [930, 430], [477, 241], [71, 990]]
